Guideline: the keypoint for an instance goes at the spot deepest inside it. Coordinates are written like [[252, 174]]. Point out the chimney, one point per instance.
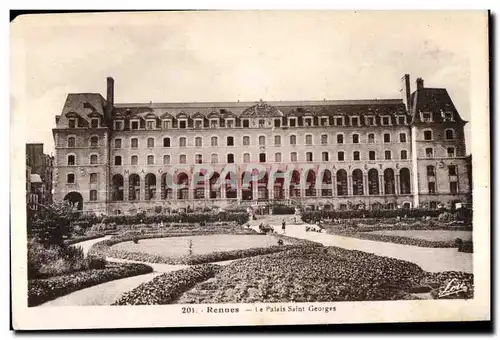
[[110, 98], [406, 91], [420, 83]]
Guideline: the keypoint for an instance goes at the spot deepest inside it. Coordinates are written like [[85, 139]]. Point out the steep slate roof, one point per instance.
[[82, 105], [269, 109], [433, 100]]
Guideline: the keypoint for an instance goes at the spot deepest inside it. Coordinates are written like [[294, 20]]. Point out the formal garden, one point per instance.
[[221, 259]]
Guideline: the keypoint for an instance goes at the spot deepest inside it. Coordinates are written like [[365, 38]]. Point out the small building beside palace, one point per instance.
[[125, 158]]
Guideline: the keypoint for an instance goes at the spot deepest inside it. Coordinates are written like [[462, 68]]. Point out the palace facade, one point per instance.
[[113, 158]]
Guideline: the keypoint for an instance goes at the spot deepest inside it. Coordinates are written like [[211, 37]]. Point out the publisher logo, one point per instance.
[[453, 287]]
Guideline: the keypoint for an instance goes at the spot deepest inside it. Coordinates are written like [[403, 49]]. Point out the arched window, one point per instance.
[[70, 178], [277, 157], [293, 140], [198, 142], [355, 156], [166, 142], [277, 140], [373, 185], [93, 178], [117, 187], [309, 139], [230, 141], [427, 135], [357, 182], [166, 159], [151, 142], [262, 140], [134, 160], [93, 159], [71, 160], [182, 159], [150, 187], [342, 183], [151, 160], [389, 187], [309, 156], [214, 158], [246, 140], [324, 139], [71, 142], [450, 134], [340, 139], [371, 138], [246, 158], [429, 153], [404, 181], [230, 158], [94, 141], [293, 157], [134, 143], [371, 155], [388, 154], [214, 141], [355, 138], [93, 195], [134, 191], [182, 142], [387, 137], [118, 143], [198, 159], [404, 154]]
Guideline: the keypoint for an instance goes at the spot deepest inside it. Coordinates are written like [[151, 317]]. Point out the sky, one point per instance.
[[230, 56]]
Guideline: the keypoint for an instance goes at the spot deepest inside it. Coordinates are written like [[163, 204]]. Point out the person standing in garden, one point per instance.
[[283, 226]]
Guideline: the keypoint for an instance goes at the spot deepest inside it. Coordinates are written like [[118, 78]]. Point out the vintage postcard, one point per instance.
[[224, 168]]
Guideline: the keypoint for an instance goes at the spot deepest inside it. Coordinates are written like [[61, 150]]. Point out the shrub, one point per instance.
[[95, 262], [458, 242], [283, 210], [135, 240], [164, 289], [43, 290], [466, 247], [446, 216]]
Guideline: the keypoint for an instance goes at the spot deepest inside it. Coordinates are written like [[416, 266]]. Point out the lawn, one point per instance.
[[205, 244], [428, 235]]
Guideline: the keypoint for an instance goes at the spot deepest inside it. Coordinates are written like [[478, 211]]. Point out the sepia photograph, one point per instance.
[[224, 168]]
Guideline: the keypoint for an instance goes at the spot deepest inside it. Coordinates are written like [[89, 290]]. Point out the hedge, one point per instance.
[[283, 210], [239, 217], [43, 290], [78, 239], [166, 288]]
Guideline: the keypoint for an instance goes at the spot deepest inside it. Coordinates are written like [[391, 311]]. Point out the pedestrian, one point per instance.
[[283, 226]]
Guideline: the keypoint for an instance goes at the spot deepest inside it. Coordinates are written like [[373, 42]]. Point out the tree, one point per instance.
[[53, 223]]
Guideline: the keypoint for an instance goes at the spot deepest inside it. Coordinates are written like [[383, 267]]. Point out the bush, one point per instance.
[[43, 290], [95, 262], [446, 217], [165, 288], [239, 217], [466, 247], [283, 210], [135, 240]]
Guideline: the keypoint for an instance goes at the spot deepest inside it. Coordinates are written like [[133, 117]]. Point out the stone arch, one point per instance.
[[75, 199], [404, 181], [342, 183], [326, 183], [295, 184], [310, 183], [373, 182], [389, 185], [150, 187], [117, 187], [357, 182], [134, 191], [182, 182]]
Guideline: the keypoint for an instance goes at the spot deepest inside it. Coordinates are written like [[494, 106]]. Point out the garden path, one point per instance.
[[429, 259]]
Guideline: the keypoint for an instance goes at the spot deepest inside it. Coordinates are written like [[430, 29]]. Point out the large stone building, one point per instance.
[[125, 158], [39, 168]]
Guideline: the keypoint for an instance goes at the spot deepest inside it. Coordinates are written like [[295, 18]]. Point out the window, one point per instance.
[[134, 143], [354, 121], [292, 122], [371, 138], [324, 121], [198, 142], [428, 135], [93, 178], [166, 159], [118, 143], [404, 154], [293, 157], [277, 122], [182, 159], [166, 142], [355, 155], [151, 142], [355, 138], [387, 154], [72, 123], [182, 142], [93, 195], [308, 121], [325, 156], [246, 158], [262, 157], [309, 139], [427, 117], [385, 121], [324, 139], [339, 121], [452, 170], [371, 155], [309, 156], [340, 139], [246, 123], [229, 123], [166, 124], [401, 120], [94, 122], [293, 140], [449, 134], [230, 141], [433, 205], [431, 170], [198, 159], [214, 158], [450, 152], [453, 188], [150, 124], [93, 159], [448, 116], [198, 124], [134, 160], [134, 125], [71, 142], [262, 123], [182, 124], [118, 160], [262, 140], [277, 140], [402, 137], [151, 160], [94, 141], [370, 121], [277, 157], [213, 123], [246, 140], [432, 187], [340, 155], [70, 178], [429, 152], [230, 158], [387, 137], [214, 141]]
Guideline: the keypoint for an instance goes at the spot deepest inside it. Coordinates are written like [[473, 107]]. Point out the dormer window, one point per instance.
[[308, 121], [370, 121], [448, 116], [277, 123], [262, 123], [198, 123], [354, 121], [214, 123], [426, 117], [119, 125], [246, 123], [339, 121], [230, 123], [134, 124], [94, 122], [150, 124], [324, 121], [386, 121], [182, 124], [167, 124], [72, 123], [292, 122], [402, 120]]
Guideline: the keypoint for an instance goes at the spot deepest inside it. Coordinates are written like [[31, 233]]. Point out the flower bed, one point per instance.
[[311, 274], [78, 239], [43, 290], [166, 288], [238, 217]]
